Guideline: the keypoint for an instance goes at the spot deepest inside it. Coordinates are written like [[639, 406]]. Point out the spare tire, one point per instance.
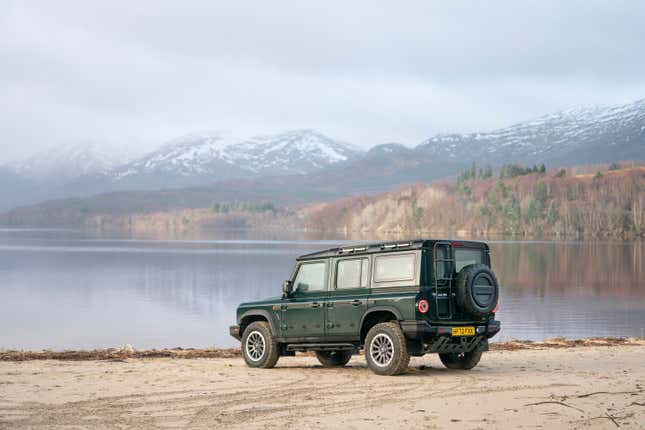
[[477, 289]]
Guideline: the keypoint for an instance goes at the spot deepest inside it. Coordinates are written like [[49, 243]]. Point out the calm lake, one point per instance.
[[68, 289]]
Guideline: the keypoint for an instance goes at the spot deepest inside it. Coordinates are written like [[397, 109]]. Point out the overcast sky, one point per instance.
[[139, 73]]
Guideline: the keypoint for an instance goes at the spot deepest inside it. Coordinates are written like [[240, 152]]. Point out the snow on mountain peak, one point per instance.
[[223, 157], [538, 138], [65, 162]]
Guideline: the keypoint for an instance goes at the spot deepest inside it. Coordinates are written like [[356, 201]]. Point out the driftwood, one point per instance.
[[582, 396], [554, 402]]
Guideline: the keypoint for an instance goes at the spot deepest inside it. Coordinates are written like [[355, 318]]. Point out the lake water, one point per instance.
[[68, 289]]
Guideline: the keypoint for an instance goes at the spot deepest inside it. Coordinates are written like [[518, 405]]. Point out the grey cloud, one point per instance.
[[368, 72]]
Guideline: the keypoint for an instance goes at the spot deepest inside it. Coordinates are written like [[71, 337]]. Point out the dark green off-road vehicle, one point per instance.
[[393, 299]]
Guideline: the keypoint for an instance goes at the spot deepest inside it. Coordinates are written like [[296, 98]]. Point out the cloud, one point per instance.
[[139, 73]]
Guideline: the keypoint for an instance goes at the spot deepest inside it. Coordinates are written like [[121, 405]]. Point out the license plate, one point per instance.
[[463, 331]]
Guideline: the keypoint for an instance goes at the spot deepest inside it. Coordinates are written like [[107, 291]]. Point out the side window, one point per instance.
[[310, 277], [397, 267], [352, 273]]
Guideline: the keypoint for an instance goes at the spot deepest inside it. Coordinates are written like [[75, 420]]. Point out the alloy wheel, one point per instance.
[[382, 350], [255, 346]]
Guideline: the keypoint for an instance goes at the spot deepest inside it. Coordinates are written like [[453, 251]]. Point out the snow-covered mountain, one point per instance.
[[581, 135], [257, 168], [207, 158], [64, 163]]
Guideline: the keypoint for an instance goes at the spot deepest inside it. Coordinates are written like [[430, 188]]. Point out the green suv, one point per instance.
[[393, 299]]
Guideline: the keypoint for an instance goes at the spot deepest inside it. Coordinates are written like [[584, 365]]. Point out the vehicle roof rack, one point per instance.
[[370, 248]]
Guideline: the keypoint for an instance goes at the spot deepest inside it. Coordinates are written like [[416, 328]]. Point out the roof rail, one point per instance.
[[355, 249], [395, 245]]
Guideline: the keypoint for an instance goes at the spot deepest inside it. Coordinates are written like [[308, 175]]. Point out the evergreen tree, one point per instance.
[[488, 172], [552, 214], [540, 192]]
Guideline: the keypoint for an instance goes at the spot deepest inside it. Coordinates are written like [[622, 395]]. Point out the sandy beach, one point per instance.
[[521, 386]]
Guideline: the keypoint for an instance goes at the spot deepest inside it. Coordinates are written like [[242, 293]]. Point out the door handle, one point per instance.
[[329, 304], [356, 303], [315, 305]]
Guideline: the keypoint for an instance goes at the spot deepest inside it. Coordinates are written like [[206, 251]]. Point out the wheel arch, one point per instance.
[[254, 315], [377, 315]]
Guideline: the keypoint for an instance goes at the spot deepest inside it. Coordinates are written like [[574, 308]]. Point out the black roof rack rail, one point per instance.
[[371, 248]]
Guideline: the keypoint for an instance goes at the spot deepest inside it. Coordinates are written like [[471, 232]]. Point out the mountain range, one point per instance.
[[305, 165]]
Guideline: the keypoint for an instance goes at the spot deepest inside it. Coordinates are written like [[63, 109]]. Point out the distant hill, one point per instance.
[[67, 162], [194, 160], [304, 166], [598, 201], [601, 201], [206, 159], [575, 136]]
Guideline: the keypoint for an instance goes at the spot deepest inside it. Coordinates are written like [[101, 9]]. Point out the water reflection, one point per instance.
[[572, 289], [74, 290]]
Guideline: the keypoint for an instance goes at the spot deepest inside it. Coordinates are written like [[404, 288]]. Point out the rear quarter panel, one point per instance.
[[399, 295]]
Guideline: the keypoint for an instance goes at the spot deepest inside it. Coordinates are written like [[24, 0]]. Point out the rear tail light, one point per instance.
[[423, 306], [496, 308]]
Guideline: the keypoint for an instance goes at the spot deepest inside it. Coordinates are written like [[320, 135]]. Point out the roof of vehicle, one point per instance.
[[380, 247]]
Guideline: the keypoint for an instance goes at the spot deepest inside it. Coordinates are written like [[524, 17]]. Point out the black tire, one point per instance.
[[463, 361], [477, 290], [258, 336], [334, 358], [385, 349]]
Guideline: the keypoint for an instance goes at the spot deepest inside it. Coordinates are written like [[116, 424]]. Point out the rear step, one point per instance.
[[320, 346]]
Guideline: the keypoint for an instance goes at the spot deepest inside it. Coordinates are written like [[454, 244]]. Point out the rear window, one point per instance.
[[467, 256], [398, 267]]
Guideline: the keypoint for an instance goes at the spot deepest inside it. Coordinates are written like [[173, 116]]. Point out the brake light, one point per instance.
[[496, 308], [423, 305], [458, 244]]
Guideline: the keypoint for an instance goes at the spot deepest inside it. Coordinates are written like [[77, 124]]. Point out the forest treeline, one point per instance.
[[526, 201]]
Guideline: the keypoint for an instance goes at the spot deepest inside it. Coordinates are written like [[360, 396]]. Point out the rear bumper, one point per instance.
[[234, 331], [419, 330], [439, 339]]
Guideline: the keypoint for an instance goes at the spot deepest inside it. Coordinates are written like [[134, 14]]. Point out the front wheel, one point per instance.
[[259, 348], [385, 349], [334, 358], [463, 361]]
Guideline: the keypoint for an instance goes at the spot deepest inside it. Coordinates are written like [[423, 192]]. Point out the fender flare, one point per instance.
[[262, 313], [390, 309]]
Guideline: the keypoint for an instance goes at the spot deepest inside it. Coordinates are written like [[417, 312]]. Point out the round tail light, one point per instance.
[[423, 305]]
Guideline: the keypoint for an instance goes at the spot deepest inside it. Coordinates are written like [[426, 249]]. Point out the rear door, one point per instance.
[[304, 309], [349, 291]]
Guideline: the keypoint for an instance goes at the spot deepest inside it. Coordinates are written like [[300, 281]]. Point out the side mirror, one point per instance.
[[286, 288]]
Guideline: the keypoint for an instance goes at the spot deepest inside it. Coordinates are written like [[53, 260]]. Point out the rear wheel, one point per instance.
[[463, 361], [333, 358], [259, 348], [385, 349]]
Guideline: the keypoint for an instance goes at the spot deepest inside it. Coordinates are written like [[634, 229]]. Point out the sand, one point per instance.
[[535, 387]]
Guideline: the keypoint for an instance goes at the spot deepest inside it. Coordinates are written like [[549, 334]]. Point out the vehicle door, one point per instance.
[[348, 294], [304, 311]]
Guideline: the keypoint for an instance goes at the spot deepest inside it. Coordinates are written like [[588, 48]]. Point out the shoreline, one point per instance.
[[557, 384], [191, 353]]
